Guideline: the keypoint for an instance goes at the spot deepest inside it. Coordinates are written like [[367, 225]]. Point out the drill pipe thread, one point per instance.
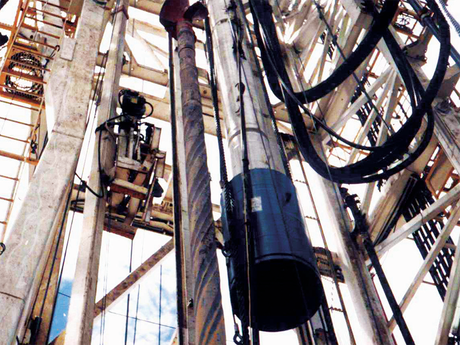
[[209, 321]]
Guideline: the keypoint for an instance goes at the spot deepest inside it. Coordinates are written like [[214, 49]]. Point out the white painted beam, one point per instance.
[[389, 109], [371, 90], [372, 320], [111, 299], [428, 262], [80, 320], [451, 300], [135, 278], [364, 130], [30, 238], [415, 223]]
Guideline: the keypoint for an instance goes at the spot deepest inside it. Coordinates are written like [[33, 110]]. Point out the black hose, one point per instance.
[[381, 22], [376, 165], [151, 110]]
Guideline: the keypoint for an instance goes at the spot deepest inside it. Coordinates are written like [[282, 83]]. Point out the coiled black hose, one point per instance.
[[377, 165]]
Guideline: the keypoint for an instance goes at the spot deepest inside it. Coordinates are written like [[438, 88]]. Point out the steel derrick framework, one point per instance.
[[366, 108]]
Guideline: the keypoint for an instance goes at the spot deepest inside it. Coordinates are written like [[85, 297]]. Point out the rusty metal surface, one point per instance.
[[207, 301], [171, 13]]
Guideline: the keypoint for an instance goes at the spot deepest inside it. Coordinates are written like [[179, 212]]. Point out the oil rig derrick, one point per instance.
[[229, 171]]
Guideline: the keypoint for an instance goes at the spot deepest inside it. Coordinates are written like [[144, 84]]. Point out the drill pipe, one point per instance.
[[209, 319]]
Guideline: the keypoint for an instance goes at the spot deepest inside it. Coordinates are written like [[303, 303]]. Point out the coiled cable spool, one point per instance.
[[24, 64]]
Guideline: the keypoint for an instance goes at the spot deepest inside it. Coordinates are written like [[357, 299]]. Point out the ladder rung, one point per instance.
[[5, 199], [35, 101], [45, 22], [5, 26], [9, 177], [34, 29], [9, 96], [13, 138], [17, 157], [30, 50], [28, 65], [53, 5], [34, 10], [36, 42], [21, 91], [18, 122], [24, 76]]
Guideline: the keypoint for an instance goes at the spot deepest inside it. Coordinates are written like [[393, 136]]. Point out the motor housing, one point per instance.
[[133, 103]]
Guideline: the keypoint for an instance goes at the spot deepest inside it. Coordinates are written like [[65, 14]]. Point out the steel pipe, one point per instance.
[[209, 318]]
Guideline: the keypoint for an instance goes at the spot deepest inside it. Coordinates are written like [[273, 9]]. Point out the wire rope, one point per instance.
[[347, 234], [326, 246], [53, 262], [247, 191], [245, 316], [228, 197], [138, 293], [106, 277], [159, 305], [128, 299]]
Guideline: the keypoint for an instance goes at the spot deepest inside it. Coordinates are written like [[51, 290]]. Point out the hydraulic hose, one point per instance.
[[373, 36], [377, 164]]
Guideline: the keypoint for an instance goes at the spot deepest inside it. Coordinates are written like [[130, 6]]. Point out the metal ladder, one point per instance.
[[38, 28], [420, 198]]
